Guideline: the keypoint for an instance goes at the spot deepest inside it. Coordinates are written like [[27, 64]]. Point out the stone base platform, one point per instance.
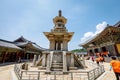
[[41, 68], [73, 68], [57, 73]]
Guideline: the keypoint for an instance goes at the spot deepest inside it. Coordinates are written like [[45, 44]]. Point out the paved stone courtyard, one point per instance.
[[7, 72]]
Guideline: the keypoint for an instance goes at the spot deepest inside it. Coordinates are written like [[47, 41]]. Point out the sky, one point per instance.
[[30, 18]]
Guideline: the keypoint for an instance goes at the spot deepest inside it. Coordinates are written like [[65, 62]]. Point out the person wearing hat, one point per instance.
[[115, 65]]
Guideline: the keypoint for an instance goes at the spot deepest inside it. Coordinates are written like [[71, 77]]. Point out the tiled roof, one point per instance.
[[37, 46], [117, 24], [100, 34], [8, 44], [21, 41], [21, 38], [22, 44]]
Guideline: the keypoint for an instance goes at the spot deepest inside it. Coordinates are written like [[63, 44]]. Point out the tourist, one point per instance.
[[98, 54], [105, 53], [101, 59], [108, 54], [115, 65], [92, 57], [97, 61], [19, 60]]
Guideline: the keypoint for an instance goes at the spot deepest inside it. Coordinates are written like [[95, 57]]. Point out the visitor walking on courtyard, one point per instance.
[[92, 57], [101, 59], [115, 65], [97, 60], [19, 60]]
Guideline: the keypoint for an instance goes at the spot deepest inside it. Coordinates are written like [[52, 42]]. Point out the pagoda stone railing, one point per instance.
[[74, 75]]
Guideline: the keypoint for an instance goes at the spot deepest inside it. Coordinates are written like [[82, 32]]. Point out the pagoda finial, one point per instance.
[[60, 13]]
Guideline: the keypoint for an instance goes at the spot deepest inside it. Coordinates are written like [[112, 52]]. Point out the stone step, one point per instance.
[[54, 69], [40, 67], [57, 66], [73, 68], [57, 63]]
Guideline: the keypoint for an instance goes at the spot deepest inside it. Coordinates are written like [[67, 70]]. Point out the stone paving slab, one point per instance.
[[5, 72], [108, 75]]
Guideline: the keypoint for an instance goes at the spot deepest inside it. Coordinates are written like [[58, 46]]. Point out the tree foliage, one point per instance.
[[79, 50]]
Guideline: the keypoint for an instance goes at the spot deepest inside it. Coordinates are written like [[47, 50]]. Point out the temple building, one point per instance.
[[8, 51], [21, 48], [108, 41]]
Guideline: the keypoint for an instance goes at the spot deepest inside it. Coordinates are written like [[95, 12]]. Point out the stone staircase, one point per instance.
[[57, 62], [57, 66]]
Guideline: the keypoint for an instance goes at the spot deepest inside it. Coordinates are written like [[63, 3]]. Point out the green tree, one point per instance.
[[79, 50]]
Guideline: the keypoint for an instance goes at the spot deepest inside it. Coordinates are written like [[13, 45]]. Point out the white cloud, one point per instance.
[[87, 36], [99, 27]]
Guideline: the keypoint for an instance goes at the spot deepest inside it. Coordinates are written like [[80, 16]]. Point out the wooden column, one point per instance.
[[114, 51], [31, 56], [17, 56], [4, 57], [24, 52], [10, 57]]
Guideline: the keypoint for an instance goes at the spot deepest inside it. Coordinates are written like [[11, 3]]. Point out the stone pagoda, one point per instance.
[[58, 58]]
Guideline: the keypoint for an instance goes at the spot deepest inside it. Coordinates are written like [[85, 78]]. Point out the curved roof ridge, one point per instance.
[[117, 24], [22, 38]]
